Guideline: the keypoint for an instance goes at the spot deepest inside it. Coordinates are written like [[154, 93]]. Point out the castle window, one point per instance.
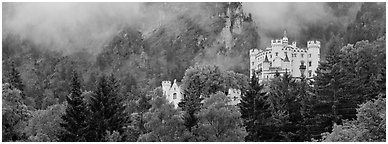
[[253, 63], [301, 55], [174, 96], [310, 63], [270, 56], [276, 53], [309, 55], [270, 64], [309, 73]]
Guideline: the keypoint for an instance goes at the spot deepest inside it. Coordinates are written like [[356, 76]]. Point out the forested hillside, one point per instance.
[[112, 93]]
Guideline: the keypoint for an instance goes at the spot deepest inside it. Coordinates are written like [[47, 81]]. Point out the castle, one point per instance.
[[282, 57], [174, 94], [279, 58]]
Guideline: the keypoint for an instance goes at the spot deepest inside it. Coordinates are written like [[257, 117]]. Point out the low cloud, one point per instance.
[[276, 17]]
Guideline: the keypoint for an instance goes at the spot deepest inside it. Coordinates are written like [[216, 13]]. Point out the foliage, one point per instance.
[[209, 79], [75, 118], [329, 84], [200, 82], [254, 111], [107, 110], [218, 121], [44, 125], [350, 76], [113, 137], [164, 122], [370, 125], [14, 114], [283, 105], [369, 23], [14, 78], [37, 80]]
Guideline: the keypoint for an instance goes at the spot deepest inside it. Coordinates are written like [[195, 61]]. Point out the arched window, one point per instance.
[[174, 96]]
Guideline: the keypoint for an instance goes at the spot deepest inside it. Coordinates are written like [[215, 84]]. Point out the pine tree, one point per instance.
[[284, 106], [254, 111], [75, 118], [190, 104], [329, 87], [143, 107], [107, 110], [306, 99], [14, 78]]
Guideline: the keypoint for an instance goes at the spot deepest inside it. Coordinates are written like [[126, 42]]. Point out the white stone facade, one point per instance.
[[282, 57], [174, 94]]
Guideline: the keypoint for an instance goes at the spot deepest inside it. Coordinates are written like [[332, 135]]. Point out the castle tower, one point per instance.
[[253, 61], [313, 57], [175, 94], [166, 88], [285, 39]]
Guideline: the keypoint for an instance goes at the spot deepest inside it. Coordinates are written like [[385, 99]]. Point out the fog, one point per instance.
[[76, 26], [293, 17]]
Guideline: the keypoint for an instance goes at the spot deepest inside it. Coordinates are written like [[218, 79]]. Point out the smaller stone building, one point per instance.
[[174, 93]]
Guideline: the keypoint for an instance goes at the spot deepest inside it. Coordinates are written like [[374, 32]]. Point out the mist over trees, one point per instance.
[[110, 91]]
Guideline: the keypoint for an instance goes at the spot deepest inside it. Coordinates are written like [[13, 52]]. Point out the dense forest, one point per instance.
[[115, 95]]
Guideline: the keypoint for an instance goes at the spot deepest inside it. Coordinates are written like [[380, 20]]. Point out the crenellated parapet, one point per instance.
[[254, 52], [313, 44], [277, 42], [166, 83]]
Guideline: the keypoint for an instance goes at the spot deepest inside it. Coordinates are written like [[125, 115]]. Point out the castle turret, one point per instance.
[[285, 39], [253, 60], [313, 56], [294, 44], [287, 63], [166, 85]]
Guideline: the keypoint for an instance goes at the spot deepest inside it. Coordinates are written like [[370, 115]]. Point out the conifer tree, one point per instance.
[[14, 78], [306, 100], [191, 104], [75, 118], [284, 107], [329, 86], [107, 110], [254, 111], [143, 107]]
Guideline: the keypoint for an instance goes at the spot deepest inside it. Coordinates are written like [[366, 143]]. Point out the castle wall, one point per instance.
[[276, 55], [169, 91], [172, 92]]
